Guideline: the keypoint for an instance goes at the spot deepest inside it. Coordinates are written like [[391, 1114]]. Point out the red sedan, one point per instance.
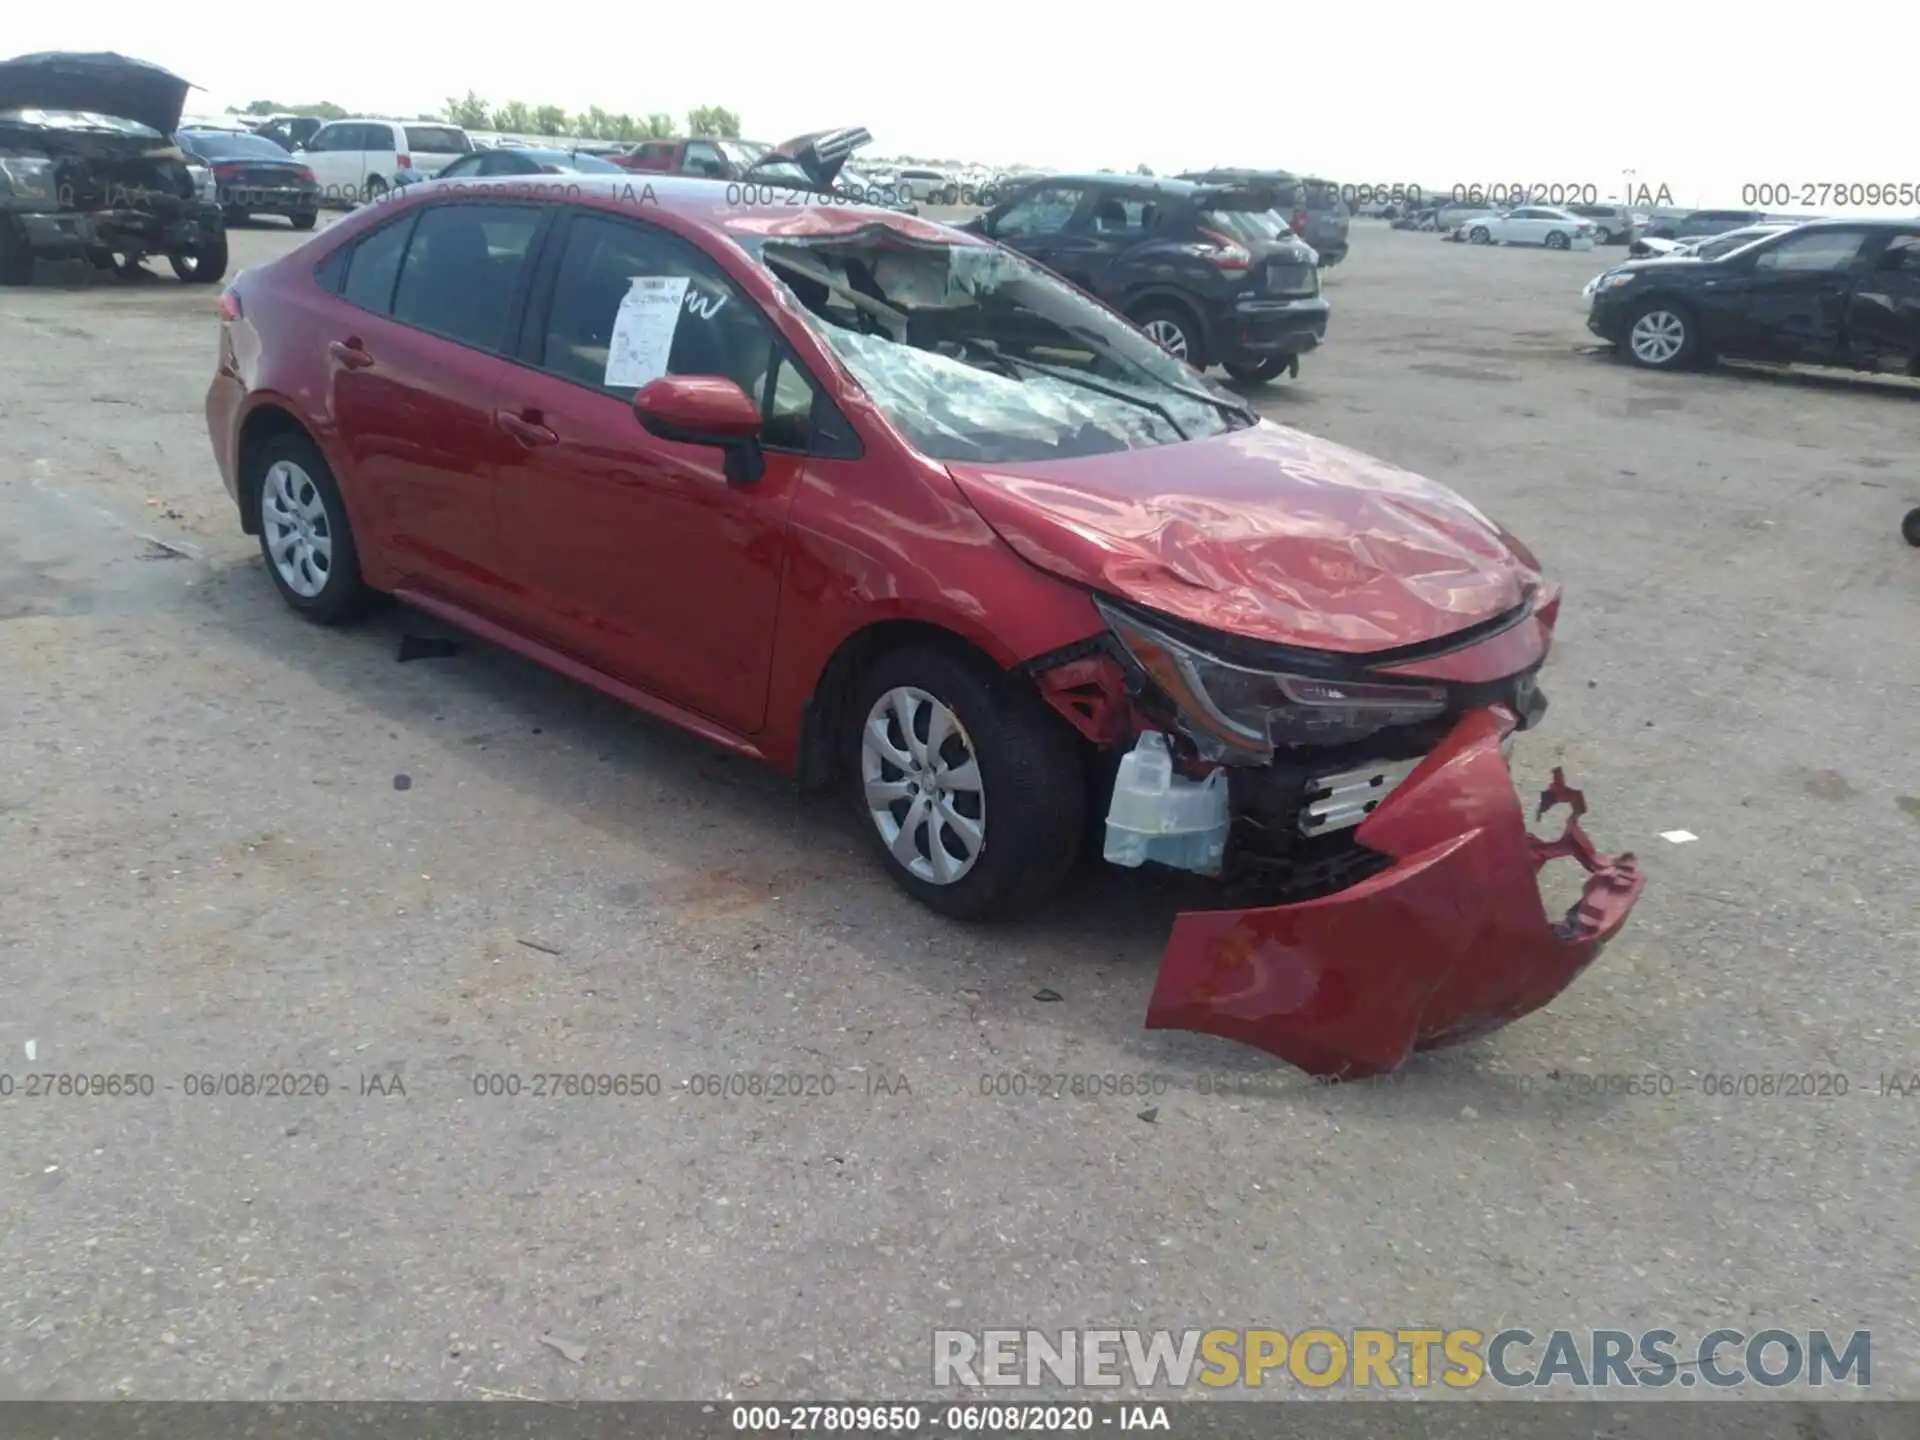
[[892, 508]]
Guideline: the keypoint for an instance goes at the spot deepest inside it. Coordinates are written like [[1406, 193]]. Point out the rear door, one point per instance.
[[434, 147], [431, 303], [1797, 293], [1093, 250], [1882, 328]]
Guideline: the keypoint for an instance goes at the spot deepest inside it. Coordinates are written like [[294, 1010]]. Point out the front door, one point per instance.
[[634, 553], [1796, 296]]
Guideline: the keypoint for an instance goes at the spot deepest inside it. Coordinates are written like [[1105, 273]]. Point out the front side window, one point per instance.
[[329, 137], [462, 264], [1044, 210], [1815, 250], [976, 354], [716, 329]]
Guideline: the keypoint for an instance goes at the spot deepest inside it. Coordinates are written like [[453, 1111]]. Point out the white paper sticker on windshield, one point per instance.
[[643, 330]]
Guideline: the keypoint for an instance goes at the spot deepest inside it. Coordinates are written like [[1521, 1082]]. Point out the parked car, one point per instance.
[[900, 512], [1209, 272], [1313, 207], [1450, 218], [357, 160], [1546, 225], [254, 176], [1834, 292], [87, 171], [516, 160], [706, 158], [929, 187], [1612, 224], [289, 132], [1698, 224]]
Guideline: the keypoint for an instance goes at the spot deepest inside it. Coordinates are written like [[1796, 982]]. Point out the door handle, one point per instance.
[[526, 428], [350, 354]]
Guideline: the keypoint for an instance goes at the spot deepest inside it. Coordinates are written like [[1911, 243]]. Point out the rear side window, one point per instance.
[[374, 264], [438, 140], [1125, 214], [462, 264]]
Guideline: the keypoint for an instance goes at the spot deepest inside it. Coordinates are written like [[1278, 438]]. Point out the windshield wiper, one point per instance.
[[1075, 377], [1228, 407]]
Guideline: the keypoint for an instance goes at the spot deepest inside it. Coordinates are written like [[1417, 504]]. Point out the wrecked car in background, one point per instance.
[[87, 171], [903, 513]]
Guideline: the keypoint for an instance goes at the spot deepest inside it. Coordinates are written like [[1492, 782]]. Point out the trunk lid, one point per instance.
[[99, 83], [1265, 533]]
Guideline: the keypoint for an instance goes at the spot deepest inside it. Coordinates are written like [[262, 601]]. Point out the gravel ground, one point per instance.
[[209, 864]]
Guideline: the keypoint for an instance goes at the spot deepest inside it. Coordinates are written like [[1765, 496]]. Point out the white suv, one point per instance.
[[356, 160]]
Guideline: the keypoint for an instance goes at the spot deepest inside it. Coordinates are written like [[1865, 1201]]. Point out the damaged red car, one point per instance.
[[893, 509]]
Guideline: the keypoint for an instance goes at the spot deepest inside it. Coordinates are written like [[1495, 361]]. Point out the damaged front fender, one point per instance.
[[1448, 943]]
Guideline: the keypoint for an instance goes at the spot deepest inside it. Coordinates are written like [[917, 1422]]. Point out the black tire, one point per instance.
[[344, 595], [235, 217], [305, 220], [1480, 235], [203, 264], [1685, 354], [1557, 240], [1260, 371], [1155, 314], [1910, 527], [1032, 776], [374, 189], [1602, 235], [16, 254]]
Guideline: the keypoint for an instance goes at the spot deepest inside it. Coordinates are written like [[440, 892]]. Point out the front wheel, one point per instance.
[[16, 254], [1258, 372], [1910, 527], [1662, 336], [203, 264], [304, 532], [1480, 235], [972, 789], [305, 220]]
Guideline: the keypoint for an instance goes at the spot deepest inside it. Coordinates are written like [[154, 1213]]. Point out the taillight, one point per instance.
[[229, 305], [403, 162], [1227, 253], [1299, 222], [308, 176], [227, 172]]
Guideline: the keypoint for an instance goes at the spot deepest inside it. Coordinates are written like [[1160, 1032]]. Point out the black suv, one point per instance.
[[1210, 272]]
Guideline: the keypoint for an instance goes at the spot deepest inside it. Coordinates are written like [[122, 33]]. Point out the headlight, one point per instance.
[[1616, 280], [29, 178], [1229, 708], [202, 181]]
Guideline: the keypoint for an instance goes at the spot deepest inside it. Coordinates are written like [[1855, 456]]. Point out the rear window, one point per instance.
[[221, 145], [438, 140], [1249, 227]]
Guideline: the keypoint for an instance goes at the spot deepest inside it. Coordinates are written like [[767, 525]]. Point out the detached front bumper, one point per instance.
[[1447, 944], [1277, 326]]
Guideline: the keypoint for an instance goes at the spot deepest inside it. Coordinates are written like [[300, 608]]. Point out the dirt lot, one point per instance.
[[208, 866]]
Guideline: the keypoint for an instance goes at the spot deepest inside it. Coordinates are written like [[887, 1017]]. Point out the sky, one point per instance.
[[1696, 99]]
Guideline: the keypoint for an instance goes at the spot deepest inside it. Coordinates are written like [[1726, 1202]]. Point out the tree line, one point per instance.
[[516, 117]]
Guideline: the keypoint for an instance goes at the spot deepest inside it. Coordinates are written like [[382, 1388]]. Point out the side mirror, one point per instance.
[[705, 410]]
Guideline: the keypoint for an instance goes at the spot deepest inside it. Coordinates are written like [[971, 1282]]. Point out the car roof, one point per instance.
[[711, 206]]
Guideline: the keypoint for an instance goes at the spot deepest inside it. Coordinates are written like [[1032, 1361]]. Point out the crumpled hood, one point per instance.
[[102, 83], [1265, 533]]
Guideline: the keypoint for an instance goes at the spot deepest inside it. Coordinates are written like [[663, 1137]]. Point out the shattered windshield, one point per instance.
[[974, 354]]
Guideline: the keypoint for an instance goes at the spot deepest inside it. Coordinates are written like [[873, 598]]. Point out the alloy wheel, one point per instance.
[[1168, 336], [1657, 337], [299, 531], [923, 786]]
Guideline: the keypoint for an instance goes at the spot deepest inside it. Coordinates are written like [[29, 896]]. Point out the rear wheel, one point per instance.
[[1258, 372], [1602, 235], [1173, 328], [304, 532], [374, 189], [1556, 240], [204, 263], [973, 790], [305, 220], [1910, 527]]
